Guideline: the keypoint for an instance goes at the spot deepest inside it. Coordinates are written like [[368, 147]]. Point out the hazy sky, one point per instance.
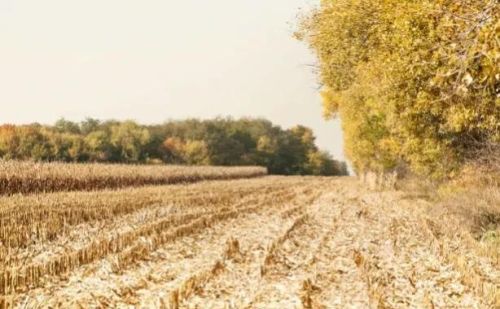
[[155, 60]]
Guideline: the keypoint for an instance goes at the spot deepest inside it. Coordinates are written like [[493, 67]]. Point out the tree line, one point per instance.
[[416, 83], [221, 141]]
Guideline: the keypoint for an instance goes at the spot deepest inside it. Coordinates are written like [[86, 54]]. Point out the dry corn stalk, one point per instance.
[[273, 248], [31, 177]]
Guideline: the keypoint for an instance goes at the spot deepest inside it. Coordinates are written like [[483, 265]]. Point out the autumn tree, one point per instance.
[[220, 141], [128, 140], [416, 83]]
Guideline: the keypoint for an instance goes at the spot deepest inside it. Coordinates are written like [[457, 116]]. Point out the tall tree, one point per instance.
[[415, 82]]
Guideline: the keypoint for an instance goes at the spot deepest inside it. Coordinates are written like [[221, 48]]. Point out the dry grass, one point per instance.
[[463, 216], [31, 177], [471, 203], [466, 224]]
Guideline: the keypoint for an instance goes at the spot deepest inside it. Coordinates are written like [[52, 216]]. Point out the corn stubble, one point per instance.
[[28, 222], [269, 242]]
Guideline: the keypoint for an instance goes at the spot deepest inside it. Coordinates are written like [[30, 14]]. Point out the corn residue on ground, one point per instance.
[[270, 242]]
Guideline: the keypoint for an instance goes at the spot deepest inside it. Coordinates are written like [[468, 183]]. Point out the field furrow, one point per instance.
[[200, 235], [80, 236], [157, 233], [272, 242]]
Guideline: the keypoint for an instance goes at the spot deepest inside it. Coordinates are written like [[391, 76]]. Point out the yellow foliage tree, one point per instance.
[[416, 83]]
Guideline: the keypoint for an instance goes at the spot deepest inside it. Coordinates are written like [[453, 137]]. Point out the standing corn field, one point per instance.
[[31, 177]]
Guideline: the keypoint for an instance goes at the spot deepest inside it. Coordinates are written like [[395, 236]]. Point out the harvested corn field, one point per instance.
[[270, 242], [36, 177]]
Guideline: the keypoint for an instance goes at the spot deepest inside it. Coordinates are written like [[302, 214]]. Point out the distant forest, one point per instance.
[[222, 141]]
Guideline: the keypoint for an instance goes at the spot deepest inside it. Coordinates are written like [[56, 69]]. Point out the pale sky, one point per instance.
[[154, 60]]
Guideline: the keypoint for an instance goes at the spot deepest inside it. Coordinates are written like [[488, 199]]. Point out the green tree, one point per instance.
[[89, 125], [129, 140], [220, 141], [99, 146], [33, 144], [64, 126]]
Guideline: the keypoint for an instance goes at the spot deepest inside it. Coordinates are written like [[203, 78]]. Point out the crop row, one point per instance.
[[271, 251], [31, 177], [127, 245], [46, 223], [58, 215]]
